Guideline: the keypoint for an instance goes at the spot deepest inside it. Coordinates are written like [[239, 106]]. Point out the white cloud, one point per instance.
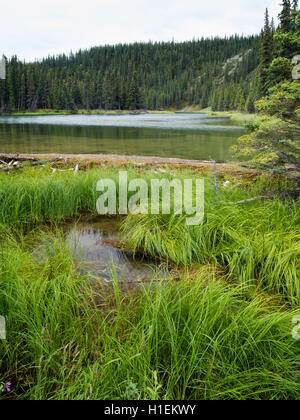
[[35, 28]]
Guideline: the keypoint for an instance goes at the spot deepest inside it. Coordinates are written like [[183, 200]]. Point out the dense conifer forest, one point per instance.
[[152, 76], [225, 74]]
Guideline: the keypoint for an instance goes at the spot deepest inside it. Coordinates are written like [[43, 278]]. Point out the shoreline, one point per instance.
[[86, 160], [233, 115]]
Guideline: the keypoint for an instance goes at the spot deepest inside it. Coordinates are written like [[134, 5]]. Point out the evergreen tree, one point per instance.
[[132, 99], [266, 56], [285, 16], [107, 95], [242, 104]]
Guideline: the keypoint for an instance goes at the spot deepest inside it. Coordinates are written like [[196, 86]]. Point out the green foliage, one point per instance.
[[279, 70], [289, 43], [71, 339], [275, 140], [284, 102]]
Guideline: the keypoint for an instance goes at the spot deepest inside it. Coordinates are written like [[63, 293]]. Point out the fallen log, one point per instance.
[[15, 165], [261, 197], [9, 157], [10, 168], [42, 162]]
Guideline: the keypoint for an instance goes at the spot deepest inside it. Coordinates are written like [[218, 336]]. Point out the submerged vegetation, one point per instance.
[[222, 332]]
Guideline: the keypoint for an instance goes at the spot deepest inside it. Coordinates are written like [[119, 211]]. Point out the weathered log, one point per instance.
[[262, 197], [10, 168], [42, 162], [8, 157], [15, 165]]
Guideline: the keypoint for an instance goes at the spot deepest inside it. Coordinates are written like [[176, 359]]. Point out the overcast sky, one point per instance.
[[32, 29]]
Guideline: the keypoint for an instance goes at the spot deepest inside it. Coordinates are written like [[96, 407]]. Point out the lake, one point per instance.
[[188, 136]]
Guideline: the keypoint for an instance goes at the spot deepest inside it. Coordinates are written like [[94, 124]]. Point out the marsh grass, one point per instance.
[[202, 337], [258, 243], [36, 196], [69, 338]]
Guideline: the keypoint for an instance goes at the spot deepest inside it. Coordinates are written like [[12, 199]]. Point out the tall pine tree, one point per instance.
[[266, 56], [285, 16]]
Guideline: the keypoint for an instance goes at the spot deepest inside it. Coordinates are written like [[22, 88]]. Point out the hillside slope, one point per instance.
[[137, 76]]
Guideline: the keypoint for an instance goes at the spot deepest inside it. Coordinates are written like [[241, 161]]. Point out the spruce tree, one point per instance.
[[266, 55], [285, 16], [132, 100], [242, 104]]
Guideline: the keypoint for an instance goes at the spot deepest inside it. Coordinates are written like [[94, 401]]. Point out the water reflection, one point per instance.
[[96, 247], [190, 136]]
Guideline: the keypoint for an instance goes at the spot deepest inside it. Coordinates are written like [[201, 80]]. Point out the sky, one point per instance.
[[33, 29]]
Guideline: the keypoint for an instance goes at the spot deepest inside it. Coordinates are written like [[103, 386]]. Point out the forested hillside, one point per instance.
[[208, 72], [225, 74]]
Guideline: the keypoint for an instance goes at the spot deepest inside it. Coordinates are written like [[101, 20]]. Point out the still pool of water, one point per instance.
[[95, 246], [188, 136]]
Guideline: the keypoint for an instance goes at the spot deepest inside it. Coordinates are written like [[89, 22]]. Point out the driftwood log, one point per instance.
[[261, 197], [14, 163], [9, 157], [42, 162]]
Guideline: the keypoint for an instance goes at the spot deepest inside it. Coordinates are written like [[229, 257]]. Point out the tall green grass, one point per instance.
[[35, 195], [68, 338], [258, 243]]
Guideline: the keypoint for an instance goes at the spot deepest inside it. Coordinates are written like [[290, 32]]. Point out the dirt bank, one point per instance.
[[87, 160]]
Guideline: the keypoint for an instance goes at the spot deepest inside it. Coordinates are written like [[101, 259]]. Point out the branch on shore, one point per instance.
[[13, 157], [262, 197], [6, 167], [43, 162]]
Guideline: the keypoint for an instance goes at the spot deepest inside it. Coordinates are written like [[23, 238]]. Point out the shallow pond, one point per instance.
[[96, 248]]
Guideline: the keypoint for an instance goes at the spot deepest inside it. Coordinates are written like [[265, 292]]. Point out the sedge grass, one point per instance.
[[258, 243], [70, 338], [200, 339]]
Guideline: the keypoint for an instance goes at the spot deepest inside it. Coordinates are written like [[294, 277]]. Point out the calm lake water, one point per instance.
[[189, 136]]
